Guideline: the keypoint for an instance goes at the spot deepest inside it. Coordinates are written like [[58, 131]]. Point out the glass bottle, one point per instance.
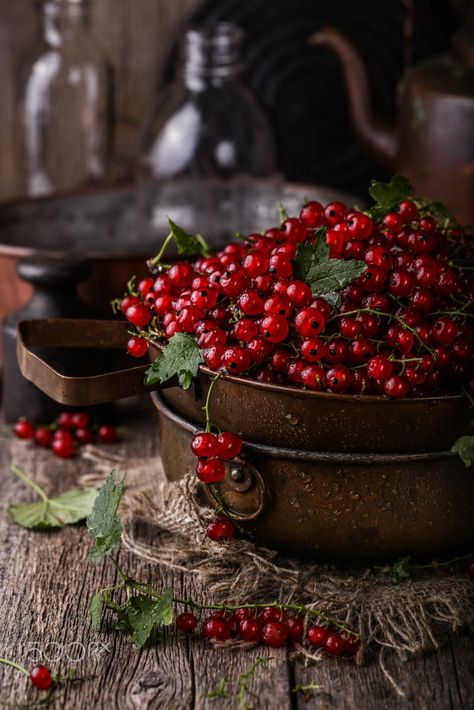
[[207, 141], [65, 107]]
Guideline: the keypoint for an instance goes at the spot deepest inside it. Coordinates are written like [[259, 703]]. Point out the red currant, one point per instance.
[[229, 445], [317, 635], [210, 470], [220, 529], [186, 622], [312, 215], [275, 634], [23, 429], [251, 630], [205, 445], [309, 322], [41, 677], [63, 446], [137, 347], [336, 645], [44, 437], [107, 434]]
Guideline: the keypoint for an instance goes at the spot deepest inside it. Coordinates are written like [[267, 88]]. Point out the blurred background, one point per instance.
[[301, 87]]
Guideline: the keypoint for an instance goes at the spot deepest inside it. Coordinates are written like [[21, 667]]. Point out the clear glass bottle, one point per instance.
[[64, 126], [207, 141]]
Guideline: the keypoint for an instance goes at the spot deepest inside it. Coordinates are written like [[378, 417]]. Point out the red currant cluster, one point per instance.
[[70, 430], [272, 626], [401, 328], [212, 451]]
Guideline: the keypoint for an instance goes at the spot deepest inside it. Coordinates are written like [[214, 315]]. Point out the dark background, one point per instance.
[[300, 86]]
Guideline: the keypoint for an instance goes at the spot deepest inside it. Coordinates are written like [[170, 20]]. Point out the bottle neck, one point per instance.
[[210, 56], [65, 21]]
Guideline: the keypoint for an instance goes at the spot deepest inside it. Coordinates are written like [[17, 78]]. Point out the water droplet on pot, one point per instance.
[[292, 419]]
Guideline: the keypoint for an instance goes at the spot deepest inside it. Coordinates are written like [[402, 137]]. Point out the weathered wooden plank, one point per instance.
[[47, 584]]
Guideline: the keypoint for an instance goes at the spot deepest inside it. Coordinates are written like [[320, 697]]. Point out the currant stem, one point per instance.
[[156, 259], [17, 666], [29, 482], [207, 404]]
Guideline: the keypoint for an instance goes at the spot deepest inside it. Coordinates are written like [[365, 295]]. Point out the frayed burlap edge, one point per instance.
[[405, 618]]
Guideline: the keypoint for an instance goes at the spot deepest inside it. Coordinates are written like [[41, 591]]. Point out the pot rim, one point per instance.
[[308, 455], [332, 396]]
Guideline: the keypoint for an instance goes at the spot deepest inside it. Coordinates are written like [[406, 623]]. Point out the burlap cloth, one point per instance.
[[406, 618]]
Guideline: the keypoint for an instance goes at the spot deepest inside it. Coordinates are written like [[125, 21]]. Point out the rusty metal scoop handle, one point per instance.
[[76, 333]]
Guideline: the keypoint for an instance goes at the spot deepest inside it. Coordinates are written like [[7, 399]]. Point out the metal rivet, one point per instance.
[[237, 474]]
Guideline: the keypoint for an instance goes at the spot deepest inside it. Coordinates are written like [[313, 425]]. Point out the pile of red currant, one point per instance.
[[273, 627], [66, 434], [401, 328]]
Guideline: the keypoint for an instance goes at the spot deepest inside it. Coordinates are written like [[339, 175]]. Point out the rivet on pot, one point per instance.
[[241, 478]]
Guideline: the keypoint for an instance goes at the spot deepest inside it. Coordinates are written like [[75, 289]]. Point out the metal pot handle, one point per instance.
[[76, 333], [242, 492]]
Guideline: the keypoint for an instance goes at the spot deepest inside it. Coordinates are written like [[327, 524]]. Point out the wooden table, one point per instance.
[[47, 584]]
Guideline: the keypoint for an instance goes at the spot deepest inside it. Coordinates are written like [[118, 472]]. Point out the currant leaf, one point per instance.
[[66, 509], [95, 611], [180, 357], [188, 244], [103, 524], [326, 276], [464, 447], [401, 569], [387, 195], [143, 613]]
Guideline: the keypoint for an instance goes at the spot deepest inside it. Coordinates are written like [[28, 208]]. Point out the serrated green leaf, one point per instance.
[[142, 614], [326, 276], [188, 244], [464, 448], [103, 524], [95, 611], [387, 195], [180, 357], [401, 569], [65, 509]]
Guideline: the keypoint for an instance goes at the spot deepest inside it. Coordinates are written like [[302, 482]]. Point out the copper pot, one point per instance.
[[322, 474]]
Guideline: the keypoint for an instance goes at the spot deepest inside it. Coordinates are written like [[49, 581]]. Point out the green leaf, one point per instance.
[[188, 244], [325, 276], [143, 613], [387, 195], [401, 569], [464, 447], [65, 509], [103, 524], [438, 211], [181, 356], [95, 611]]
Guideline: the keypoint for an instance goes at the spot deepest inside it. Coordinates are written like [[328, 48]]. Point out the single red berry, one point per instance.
[[80, 420], [336, 351], [231, 283], [217, 629], [378, 256], [312, 215], [44, 437], [128, 301], [63, 446], [392, 222], [229, 445], [277, 305], [213, 356], [295, 628], [84, 435], [23, 429], [186, 622], [313, 377], [65, 420], [373, 279], [255, 264], [299, 293], [40, 677], [137, 347], [250, 630], [163, 304], [335, 213], [445, 331], [309, 322], [275, 329], [139, 315], [338, 379], [336, 645], [236, 360], [107, 434], [293, 230], [250, 302], [280, 360], [275, 634], [400, 283], [312, 350], [245, 329], [359, 225], [245, 613], [379, 367], [213, 337], [407, 211], [317, 635], [205, 445], [210, 470], [181, 275], [396, 387], [220, 529]]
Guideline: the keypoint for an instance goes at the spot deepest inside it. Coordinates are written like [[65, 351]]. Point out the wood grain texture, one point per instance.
[[134, 34], [47, 584]]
